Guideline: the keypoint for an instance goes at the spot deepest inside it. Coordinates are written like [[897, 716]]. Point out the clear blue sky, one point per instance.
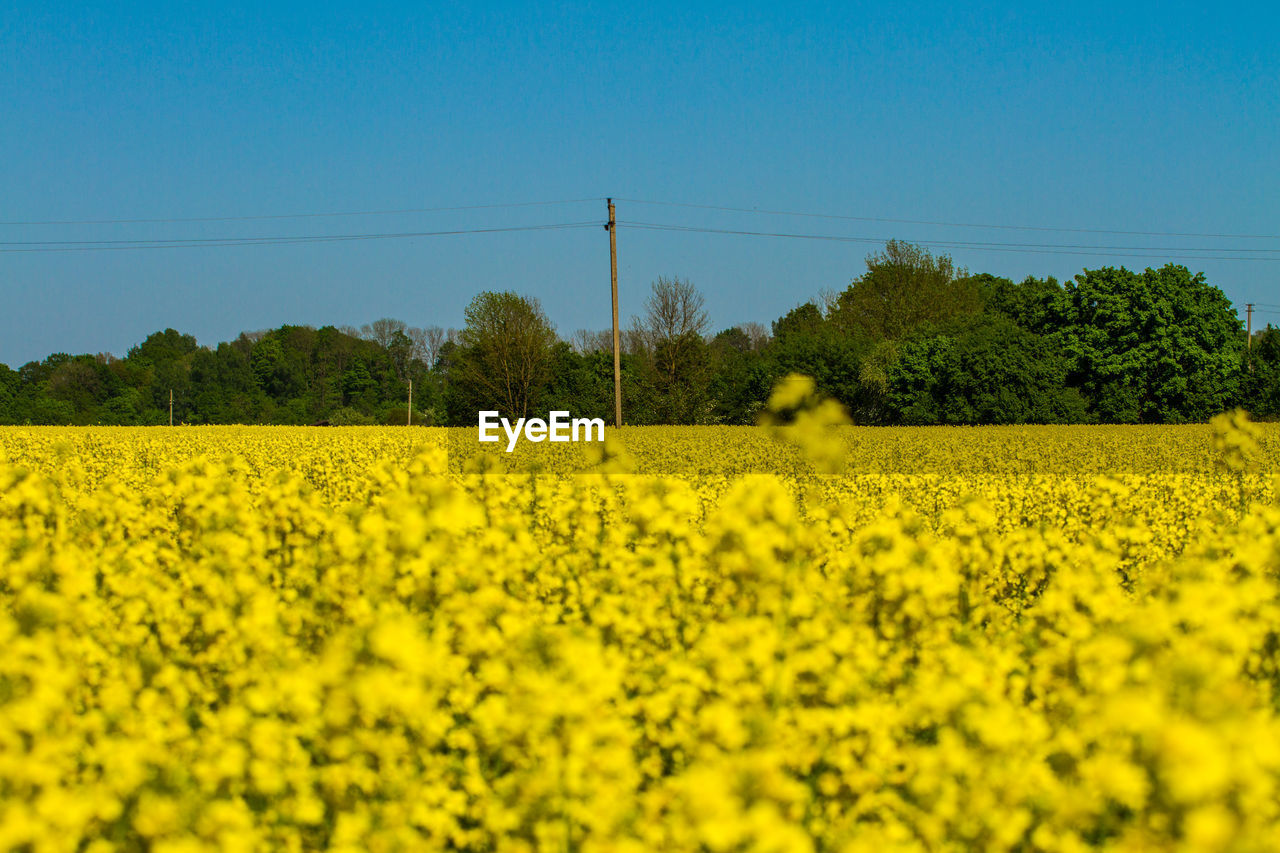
[[1153, 117]]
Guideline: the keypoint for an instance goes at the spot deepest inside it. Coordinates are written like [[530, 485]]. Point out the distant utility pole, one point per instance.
[[170, 407], [612, 228], [409, 422], [1248, 311]]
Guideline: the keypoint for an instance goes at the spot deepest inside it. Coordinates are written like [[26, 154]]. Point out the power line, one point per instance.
[[292, 237], [294, 215], [196, 242], [765, 211], [1169, 252], [221, 242], [1028, 248], [752, 210]]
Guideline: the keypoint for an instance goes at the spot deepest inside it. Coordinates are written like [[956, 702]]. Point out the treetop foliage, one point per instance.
[[913, 340]]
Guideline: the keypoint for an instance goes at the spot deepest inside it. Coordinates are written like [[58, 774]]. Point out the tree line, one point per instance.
[[912, 340]]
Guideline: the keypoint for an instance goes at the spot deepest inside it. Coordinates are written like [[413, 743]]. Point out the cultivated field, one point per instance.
[[816, 638]]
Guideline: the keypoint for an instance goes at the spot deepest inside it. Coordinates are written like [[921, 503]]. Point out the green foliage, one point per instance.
[[984, 370], [1261, 375], [741, 379], [398, 416], [675, 379], [503, 361], [913, 340], [290, 375], [163, 348], [347, 416], [1029, 304], [582, 384], [831, 358], [1161, 346], [903, 288], [9, 384], [803, 320], [675, 361]]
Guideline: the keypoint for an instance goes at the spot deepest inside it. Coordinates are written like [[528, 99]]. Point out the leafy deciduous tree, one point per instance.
[[904, 287], [1160, 346], [505, 352]]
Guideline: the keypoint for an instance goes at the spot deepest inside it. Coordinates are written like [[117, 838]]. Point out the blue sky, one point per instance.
[[1114, 117]]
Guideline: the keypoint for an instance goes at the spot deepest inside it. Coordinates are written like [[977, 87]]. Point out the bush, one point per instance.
[[347, 416], [399, 417]]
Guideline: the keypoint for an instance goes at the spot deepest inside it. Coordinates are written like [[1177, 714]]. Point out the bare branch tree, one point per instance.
[[634, 340], [828, 301], [436, 338], [675, 316], [756, 333], [427, 343], [419, 338], [586, 341], [382, 331]]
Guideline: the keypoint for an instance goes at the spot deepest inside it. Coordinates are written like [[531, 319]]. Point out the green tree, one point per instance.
[[163, 364], [1161, 346], [802, 320], [84, 383], [268, 366], [741, 379], [1030, 304], [980, 370], [8, 394], [161, 347], [400, 351], [670, 341], [123, 409], [806, 342], [358, 385], [904, 287], [583, 384], [1261, 395], [334, 350], [504, 357]]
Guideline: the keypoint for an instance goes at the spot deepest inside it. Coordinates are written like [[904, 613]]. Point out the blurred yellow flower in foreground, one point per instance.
[[851, 639]]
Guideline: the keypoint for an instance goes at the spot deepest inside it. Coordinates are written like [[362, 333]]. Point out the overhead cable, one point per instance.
[[221, 242], [943, 224], [335, 214], [1029, 248]]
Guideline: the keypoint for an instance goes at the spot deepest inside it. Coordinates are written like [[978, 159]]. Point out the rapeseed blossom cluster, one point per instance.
[[1054, 639]]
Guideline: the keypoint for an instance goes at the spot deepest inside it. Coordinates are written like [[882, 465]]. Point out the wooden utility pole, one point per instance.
[[1248, 311], [612, 228], [170, 407], [409, 421]]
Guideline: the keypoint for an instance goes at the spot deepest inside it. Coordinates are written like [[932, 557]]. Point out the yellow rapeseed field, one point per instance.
[[794, 638]]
